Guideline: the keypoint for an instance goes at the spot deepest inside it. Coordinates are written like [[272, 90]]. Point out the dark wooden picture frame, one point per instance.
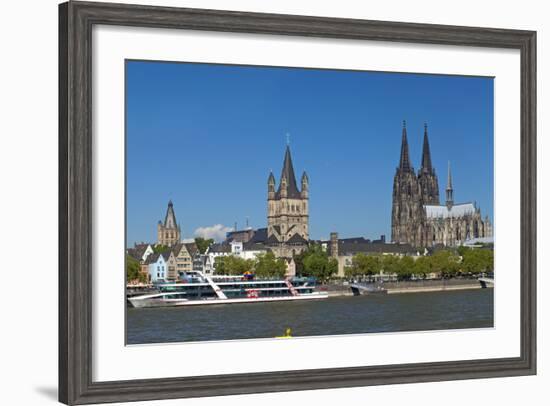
[[76, 20]]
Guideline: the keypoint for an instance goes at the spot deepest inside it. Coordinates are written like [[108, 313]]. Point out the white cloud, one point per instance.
[[216, 232]]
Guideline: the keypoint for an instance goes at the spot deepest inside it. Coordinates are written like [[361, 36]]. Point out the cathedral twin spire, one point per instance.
[[404, 160], [426, 179], [426, 156]]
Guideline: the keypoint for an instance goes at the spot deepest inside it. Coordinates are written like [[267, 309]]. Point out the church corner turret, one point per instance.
[[305, 186], [271, 186]]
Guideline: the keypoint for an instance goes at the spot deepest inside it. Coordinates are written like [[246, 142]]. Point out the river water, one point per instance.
[[335, 315]]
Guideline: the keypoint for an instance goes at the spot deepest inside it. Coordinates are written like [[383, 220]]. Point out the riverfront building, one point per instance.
[[157, 267], [418, 218], [343, 250], [184, 254]]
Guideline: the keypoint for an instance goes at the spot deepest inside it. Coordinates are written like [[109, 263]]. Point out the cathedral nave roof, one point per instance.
[[456, 210]]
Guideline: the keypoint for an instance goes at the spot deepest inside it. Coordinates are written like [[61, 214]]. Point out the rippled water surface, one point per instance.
[[336, 315]]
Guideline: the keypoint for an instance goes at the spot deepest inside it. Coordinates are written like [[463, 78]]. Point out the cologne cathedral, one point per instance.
[[418, 218]]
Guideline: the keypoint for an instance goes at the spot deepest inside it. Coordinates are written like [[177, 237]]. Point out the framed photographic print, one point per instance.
[[258, 202]]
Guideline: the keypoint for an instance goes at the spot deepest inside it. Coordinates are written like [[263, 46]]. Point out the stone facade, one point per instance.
[[169, 232], [184, 255], [417, 216], [287, 212]]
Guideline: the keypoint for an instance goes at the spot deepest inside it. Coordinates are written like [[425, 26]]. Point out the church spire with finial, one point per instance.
[[449, 189], [287, 174], [426, 156], [404, 161]]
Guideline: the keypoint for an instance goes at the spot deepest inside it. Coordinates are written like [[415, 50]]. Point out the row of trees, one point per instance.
[[264, 265], [445, 263], [312, 262]]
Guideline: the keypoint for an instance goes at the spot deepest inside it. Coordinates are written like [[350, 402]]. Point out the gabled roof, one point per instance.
[[192, 248], [138, 251], [260, 236], [297, 239], [272, 240], [176, 248], [154, 257], [219, 247]]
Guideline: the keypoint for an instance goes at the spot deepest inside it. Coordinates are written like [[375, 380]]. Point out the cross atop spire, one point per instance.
[[404, 162], [287, 139], [426, 156]]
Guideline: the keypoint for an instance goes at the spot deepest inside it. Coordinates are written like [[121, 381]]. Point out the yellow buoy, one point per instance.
[[288, 334]]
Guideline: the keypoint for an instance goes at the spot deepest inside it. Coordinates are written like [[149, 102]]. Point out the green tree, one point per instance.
[[404, 267], [422, 266], [462, 250], [476, 261], [446, 263], [203, 244], [390, 264], [266, 265], [320, 266], [363, 265], [160, 248], [133, 270], [232, 265]]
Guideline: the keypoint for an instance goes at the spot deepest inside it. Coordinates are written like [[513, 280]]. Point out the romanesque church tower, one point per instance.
[[287, 211], [169, 232], [407, 209]]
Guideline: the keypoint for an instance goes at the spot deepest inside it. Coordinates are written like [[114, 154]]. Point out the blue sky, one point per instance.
[[206, 136]]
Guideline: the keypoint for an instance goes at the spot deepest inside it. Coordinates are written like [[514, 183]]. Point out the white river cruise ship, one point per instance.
[[201, 289]]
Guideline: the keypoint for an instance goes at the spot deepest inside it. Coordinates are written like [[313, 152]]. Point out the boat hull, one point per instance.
[[140, 302], [360, 290]]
